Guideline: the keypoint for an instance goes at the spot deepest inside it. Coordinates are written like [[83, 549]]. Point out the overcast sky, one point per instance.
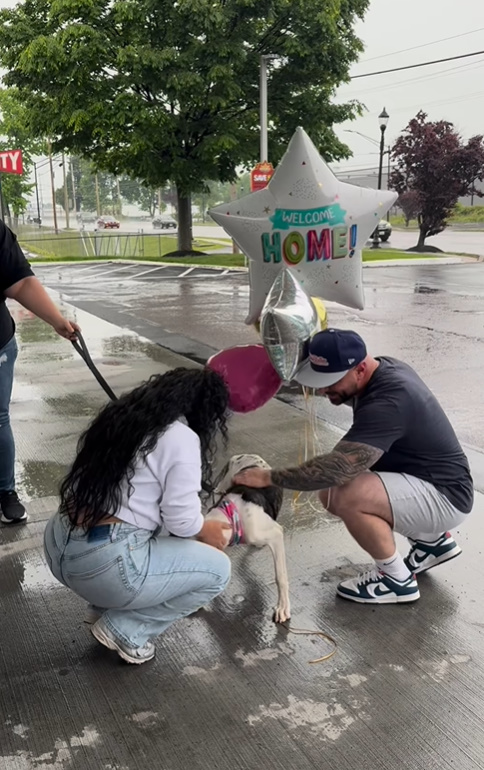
[[452, 91]]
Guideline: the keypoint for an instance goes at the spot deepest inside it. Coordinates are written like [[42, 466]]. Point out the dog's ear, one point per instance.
[[223, 481], [274, 497]]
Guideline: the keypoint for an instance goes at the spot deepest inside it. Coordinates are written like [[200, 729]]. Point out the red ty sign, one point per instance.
[[11, 162]]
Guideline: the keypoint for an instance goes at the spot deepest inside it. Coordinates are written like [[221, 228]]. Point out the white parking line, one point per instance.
[[114, 270], [153, 269], [84, 269], [187, 272]]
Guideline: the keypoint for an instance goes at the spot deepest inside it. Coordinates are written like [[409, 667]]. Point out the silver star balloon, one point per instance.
[[309, 222], [288, 321]]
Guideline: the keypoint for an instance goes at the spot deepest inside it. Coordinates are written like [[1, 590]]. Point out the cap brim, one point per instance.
[[308, 377]]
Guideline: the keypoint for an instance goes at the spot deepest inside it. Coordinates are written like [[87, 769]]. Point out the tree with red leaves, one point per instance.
[[409, 202], [432, 161]]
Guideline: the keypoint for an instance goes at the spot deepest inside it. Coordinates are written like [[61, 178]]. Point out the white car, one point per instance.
[[384, 231]]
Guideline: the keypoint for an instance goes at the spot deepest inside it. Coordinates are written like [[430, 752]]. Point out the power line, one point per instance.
[[432, 76], [440, 102], [423, 45], [414, 66]]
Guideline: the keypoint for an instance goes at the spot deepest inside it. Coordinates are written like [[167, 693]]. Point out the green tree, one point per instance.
[[15, 135], [170, 91], [134, 191], [85, 188]]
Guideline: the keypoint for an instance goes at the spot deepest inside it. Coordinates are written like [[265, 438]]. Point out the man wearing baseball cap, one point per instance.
[[400, 467]]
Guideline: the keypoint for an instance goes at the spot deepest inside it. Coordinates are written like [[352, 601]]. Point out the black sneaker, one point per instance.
[[13, 512]]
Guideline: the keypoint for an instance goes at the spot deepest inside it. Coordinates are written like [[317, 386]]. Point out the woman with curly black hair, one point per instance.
[[139, 469]]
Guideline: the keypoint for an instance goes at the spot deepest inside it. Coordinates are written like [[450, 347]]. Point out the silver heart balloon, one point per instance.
[[288, 321]]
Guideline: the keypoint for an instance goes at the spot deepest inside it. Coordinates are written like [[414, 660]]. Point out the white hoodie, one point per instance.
[[166, 485]]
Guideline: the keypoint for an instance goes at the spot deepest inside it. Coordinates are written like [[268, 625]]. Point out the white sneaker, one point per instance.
[[424, 556], [374, 587], [130, 654], [92, 615]]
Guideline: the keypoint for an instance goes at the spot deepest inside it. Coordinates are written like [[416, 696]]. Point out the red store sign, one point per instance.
[[260, 176], [11, 162]]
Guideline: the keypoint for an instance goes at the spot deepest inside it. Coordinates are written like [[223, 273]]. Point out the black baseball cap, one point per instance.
[[332, 354]]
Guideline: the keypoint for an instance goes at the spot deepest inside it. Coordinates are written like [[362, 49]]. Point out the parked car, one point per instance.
[[87, 217], [165, 222], [107, 223], [384, 231]]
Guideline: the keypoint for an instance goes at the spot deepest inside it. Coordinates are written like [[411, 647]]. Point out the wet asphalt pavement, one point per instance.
[[430, 316], [228, 688]]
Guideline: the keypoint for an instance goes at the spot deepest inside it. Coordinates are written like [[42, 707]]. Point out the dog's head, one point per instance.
[[235, 465], [269, 498]]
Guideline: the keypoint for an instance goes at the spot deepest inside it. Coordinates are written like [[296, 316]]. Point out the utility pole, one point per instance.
[[120, 203], [66, 194], [73, 181], [98, 205], [2, 210], [52, 184], [37, 195]]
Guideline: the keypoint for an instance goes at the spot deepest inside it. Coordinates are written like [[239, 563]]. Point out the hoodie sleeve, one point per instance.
[[180, 505]]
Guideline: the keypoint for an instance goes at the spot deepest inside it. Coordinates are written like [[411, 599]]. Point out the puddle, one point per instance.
[[38, 478]]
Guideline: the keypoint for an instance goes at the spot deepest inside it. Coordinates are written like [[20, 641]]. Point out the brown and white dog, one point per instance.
[[252, 514]]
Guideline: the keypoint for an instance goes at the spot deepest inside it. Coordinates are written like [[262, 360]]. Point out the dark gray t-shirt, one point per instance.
[[13, 267], [398, 414]]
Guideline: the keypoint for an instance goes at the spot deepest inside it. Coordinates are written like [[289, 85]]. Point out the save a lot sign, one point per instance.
[[11, 162]]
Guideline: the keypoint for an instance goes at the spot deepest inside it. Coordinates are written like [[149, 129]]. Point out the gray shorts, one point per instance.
[[419, 509]]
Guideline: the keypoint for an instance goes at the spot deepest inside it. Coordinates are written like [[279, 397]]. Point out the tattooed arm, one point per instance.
[[347, 460]]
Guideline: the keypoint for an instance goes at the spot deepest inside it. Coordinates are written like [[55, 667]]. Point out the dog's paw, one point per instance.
[[282, 613]]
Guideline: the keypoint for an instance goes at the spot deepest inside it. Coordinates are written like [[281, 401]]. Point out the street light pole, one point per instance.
[[383, 119], [263, 109], [264, 151], [37, 195]]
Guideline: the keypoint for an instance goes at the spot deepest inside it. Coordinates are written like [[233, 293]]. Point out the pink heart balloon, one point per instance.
[[250, 377]]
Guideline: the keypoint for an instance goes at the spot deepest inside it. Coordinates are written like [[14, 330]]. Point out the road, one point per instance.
[[452, 241]]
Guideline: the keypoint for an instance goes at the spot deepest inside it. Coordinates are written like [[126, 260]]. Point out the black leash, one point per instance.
[[81, 348]]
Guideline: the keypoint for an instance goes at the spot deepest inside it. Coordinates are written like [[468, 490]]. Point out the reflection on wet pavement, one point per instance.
[[430, 316], [228, 688]]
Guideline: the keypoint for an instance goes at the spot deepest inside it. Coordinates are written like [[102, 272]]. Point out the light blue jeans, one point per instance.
[[141, 582], [8, 356]]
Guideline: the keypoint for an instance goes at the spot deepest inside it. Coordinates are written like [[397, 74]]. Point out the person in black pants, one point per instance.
[[17, 281]]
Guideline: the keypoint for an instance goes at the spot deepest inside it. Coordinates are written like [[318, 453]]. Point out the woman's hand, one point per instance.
[[254, 477], [67, 329], [214, 533]]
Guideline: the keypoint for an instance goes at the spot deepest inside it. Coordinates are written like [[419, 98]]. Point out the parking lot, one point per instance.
[[228, 688]]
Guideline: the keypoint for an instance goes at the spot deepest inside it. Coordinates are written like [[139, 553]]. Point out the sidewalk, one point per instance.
[[228, 689]]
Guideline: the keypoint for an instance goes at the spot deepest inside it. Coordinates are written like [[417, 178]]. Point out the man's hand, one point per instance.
[[214, 533], [67, 329], [254, 477]]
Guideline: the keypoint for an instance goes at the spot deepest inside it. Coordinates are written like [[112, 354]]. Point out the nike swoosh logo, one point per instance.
[[381, 590], [419, 559]]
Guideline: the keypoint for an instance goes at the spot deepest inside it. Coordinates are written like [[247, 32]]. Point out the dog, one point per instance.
[[252, 514]]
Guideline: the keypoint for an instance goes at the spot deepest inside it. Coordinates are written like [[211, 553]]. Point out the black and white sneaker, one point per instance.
[[13, 512], [374, 587], [424, 556]]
